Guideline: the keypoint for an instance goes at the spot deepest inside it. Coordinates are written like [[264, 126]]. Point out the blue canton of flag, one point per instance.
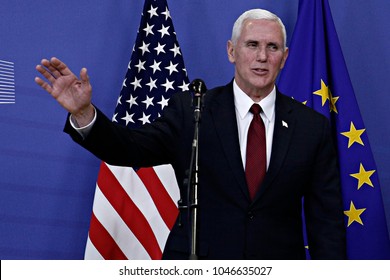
[[156, 69], [316, 74]]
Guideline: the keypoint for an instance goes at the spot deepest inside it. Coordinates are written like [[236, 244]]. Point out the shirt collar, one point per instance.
[[243, 102]]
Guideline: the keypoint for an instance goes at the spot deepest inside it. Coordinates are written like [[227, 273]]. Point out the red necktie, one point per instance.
[[255, 152]]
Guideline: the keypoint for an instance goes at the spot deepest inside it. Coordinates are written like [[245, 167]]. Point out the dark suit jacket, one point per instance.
[[231, 226]]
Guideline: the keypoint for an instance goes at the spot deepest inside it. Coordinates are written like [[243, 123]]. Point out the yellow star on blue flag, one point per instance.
[[326, 94], [353, 214], [354, 135], [363, 176]]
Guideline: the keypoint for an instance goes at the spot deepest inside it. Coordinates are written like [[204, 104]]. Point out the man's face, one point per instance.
[[258, 57]]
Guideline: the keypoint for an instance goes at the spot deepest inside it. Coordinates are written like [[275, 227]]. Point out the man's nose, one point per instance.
[[261, 54]]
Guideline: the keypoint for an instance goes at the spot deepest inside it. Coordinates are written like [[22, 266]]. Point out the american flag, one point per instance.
[[135, 209]]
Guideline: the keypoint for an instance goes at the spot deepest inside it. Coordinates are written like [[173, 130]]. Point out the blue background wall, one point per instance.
[[47, 182]]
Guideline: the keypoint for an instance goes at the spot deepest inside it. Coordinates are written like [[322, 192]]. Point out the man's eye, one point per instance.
[[252, 45], [273, 47]]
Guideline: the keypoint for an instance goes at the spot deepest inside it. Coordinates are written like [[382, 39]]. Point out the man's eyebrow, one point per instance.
[[251, 41]]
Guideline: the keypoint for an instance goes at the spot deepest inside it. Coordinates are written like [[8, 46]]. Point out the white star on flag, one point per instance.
[[145, 118], [164, 31], [163, 102], [166, 13], [148, 29], [132, 101], [152, 84], [128, 118], [148, 101], [140, 65], [175, 50], [136, 83], [159, 48], [168, 85], [155, 66], [172, 67], [153, 11], [144, 48]]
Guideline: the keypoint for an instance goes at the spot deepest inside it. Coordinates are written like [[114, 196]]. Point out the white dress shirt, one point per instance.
[[243, 103], [83, 131]]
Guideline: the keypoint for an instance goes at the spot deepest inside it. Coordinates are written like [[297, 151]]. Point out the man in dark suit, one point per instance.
[[298, 156]]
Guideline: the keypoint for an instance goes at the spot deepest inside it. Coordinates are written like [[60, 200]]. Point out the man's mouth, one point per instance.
[[260, 71]]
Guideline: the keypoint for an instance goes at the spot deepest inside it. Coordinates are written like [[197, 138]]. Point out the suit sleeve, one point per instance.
[[151, 145]]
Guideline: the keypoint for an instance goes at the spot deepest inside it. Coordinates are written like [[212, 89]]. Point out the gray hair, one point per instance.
[[256, 14]]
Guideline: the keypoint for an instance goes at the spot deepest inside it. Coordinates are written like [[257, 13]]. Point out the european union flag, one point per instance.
[[316, 74]]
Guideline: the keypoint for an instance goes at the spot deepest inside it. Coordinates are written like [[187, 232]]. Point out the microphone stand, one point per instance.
[[199, 88]]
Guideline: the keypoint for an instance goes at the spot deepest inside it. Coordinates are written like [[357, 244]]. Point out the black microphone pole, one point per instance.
[[198, 88]]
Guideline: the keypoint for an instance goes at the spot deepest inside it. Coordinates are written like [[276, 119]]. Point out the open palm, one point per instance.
[[73, 93]]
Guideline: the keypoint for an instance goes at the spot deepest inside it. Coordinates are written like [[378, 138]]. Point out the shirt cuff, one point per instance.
[[83, 131]]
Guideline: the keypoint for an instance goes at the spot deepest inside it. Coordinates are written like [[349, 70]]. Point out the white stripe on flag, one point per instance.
[[90, 251], [168, 179], [118, 230], [136, 190]]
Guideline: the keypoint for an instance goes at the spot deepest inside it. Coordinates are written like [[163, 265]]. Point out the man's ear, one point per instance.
[[230, 51], [285, 55]]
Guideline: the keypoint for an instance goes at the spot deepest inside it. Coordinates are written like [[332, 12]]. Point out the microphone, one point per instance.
[[198, 87]]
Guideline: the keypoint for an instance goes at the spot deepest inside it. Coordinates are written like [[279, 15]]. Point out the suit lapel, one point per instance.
[[223, 114]]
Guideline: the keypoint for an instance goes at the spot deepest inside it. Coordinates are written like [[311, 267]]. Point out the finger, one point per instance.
[[48, 75], [60, 66], [84, 75], [51, 68], [43, 84], [56, 67]]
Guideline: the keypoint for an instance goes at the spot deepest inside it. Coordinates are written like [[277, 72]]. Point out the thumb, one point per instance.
[[84, 75]]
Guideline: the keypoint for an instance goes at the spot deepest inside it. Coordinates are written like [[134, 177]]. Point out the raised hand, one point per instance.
[[73, 93]]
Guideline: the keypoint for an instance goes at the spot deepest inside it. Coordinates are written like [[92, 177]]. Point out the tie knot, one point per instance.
[[255, 109]]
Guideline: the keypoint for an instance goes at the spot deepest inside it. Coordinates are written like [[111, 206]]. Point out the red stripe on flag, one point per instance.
[[128, 211], [103, 241], [161, 198]]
